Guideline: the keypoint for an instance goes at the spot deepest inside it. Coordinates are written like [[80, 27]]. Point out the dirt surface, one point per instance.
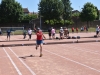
[[58, 59]]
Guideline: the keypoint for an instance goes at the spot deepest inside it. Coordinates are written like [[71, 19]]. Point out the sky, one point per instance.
[[32, 5]]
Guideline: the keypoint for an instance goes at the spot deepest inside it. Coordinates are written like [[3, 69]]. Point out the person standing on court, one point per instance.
[[49, 32], [65, 32], [77, 30], [72, 29], [8, 34], [53, 31], [30, 33], [97, 30], [39, 39], [24, 34], [61, 32]]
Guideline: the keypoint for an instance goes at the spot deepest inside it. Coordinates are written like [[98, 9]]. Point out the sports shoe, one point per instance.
[[36, 48], [41, 55]]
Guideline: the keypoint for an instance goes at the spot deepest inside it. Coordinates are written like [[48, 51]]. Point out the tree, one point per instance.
[[27, 18], [50, 9], [88, 13], [67, 10], [10, 11], [75, 16], [97, 13]]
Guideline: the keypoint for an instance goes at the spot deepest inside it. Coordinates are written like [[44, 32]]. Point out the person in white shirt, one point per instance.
[[97, 30], [30, 33], [61, 32]]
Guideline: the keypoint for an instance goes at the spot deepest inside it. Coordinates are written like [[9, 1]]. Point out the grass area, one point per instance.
[[20, 32]]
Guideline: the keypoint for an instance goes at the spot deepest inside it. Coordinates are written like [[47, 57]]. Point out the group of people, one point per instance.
[[63, 32], [84, 28]]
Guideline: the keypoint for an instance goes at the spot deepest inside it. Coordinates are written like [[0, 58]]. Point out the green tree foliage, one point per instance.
[[97, 13], [75, 17], [10, 11], [27, 18], [89, 12], [50, 9], [67, 10]]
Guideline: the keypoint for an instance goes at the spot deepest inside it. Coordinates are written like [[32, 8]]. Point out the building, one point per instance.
[[26, 11]]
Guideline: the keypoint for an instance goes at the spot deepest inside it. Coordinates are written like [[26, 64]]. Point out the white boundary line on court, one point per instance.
[[73, 61], [22, 61], [94, 44], [19, 73], [83, 49]]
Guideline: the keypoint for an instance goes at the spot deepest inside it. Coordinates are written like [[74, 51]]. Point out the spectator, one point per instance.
[[30, 33], [61, 32], [8, 34], [53, 31], [77, 30], [72, 29], [97, 30], [49, 33]]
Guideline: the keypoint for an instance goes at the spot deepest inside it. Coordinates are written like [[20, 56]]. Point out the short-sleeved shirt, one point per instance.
[[61, 30], [29, 31], [8, 32], [97, 29], [53, 31], [49, 30], [24, 32]]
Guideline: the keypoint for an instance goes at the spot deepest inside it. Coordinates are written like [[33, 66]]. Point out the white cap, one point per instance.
[[61, 27]]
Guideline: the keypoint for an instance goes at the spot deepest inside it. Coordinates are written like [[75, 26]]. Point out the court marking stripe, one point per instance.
[[78, 48], [73, 61], [22, 61], [19, 73], [94, 44]]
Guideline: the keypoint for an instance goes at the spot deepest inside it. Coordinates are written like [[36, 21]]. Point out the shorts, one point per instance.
[[39, 42], [61, 34], [8, 35], [30, 35], [49, 34], [97, 32], [53, 34], [72, 30]]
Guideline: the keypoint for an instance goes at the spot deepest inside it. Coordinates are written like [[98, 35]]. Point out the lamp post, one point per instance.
[[40, 17]]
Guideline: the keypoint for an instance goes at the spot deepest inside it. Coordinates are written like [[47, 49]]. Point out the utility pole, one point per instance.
[[40, 17]]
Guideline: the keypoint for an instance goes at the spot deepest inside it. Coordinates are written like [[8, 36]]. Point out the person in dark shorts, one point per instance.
[[24, 34], [39, 39], [30, 33], [8, 34], [86, 29], [97, 30], [65, 32], [49, 33], [61, 32]]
